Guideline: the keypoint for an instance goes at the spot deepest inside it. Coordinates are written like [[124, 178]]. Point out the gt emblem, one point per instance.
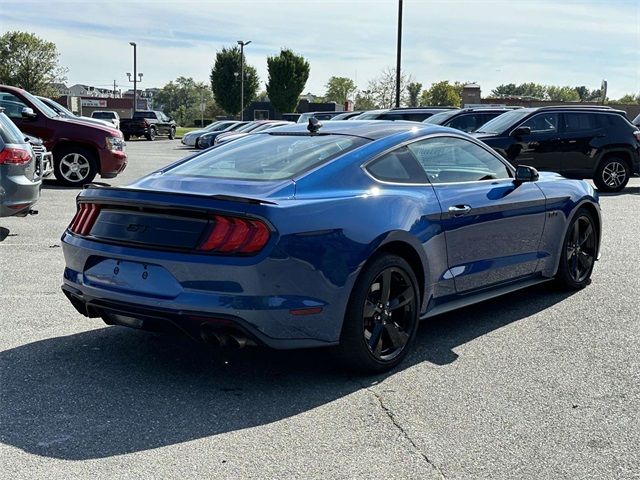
[[136, 227]]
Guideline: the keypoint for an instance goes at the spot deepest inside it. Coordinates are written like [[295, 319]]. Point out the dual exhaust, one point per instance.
[[225, 338]]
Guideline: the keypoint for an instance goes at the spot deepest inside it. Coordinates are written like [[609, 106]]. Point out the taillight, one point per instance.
[[637, 135], [85, 218], [235, 235], [14, 156]]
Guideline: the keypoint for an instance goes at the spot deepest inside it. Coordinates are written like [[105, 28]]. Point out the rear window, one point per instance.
[[107, 115], [9, 132], [144, 115], [268, 156]]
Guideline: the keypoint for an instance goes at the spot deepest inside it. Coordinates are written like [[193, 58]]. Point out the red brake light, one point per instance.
[[235, 235], [637, 135], [85, 218], [14, 156]]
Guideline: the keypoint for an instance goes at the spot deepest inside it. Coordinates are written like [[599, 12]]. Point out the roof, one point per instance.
[[371, 129]]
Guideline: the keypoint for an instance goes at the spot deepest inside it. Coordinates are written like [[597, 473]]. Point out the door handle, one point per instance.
[[459, 210]]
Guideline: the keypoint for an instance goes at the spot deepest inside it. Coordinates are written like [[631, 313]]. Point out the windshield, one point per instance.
[[268, 156], [440, 118], [40, 105], [214, 127], [375, 114], [59, 108], [504, 121]]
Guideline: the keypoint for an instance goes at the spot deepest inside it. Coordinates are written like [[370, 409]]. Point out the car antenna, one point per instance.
[[314, 125]]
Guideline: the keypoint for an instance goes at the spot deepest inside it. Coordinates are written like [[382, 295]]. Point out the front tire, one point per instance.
[[612, 175], [382, 316], [579, 251], [127, 137], [75, 166]]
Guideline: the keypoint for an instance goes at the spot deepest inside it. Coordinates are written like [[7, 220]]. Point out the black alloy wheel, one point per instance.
[[579, 252], [382, 317]]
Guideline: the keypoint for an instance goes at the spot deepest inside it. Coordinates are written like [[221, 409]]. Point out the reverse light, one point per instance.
[[235, 235], [14, 156], [84, 219]]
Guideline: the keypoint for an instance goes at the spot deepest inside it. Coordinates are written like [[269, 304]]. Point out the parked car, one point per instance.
[[417, 114], [260, 126], [148, 124], [44, 158], [20, 179], [206, 140], [190, 139], [344, 234], [304, 118], [64, 112], [80, 150], [578, 142], [467, 119], [107, 115], [290, 117], [347, 115]]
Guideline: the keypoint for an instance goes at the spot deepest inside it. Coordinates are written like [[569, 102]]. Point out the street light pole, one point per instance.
[[398, 53], [135, 76], [242, 45]]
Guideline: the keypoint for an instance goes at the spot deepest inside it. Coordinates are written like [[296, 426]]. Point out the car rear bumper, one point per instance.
[[112, 163], [17, 193]]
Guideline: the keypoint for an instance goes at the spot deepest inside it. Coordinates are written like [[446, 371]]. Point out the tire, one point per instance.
[[75, 166], [612, 175], [370, 320], [127, 137], [172, 133], [579, 250], [151, 134]]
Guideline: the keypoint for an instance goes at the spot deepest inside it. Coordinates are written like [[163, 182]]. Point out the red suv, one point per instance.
[[80, 150]]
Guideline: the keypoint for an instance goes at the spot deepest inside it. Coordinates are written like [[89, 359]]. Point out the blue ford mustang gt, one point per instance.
[[344, 234]]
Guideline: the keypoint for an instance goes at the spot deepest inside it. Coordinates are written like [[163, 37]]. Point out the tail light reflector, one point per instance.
[[637, 135], [235, 235], [85, 218], [14, 156]]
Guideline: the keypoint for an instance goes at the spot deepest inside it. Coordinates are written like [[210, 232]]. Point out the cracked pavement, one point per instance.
[[534, 385]]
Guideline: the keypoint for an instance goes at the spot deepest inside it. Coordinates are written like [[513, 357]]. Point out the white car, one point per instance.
[[108, 115]]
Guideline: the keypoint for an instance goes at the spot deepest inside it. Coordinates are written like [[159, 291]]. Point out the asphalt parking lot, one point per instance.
[[536, 385]]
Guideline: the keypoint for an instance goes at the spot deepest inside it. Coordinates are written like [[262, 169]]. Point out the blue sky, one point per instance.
[[486, 41]]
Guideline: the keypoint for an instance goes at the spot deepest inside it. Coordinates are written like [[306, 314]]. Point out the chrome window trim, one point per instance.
[[406, 143]]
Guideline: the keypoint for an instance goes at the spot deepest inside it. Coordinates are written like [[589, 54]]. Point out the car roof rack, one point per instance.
[[591, 107], [425, 108]]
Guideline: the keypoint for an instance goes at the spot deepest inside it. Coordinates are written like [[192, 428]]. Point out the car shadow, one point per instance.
[[624, 191], [4, 233], [112, 391]]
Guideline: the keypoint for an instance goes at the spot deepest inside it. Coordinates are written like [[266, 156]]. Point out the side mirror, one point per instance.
[[525, 173], [28, 113], [521, 132]]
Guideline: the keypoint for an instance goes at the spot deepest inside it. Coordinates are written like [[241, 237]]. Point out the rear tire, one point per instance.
[[612, 175], [75, 166], [127, 137], [172, 133], [579, 251], [382, 316], [151, 134]]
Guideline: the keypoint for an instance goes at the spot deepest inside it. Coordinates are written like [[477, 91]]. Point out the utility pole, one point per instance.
[[242, 45], [114, 89], [137, 77], [398, 53]]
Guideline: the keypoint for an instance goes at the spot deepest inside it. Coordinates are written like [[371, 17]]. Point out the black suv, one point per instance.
[[467, 119], [414, 114], [577, 142]]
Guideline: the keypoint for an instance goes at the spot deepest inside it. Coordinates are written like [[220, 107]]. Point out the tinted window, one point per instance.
[[466, 123], [448, 159], [503, 122], [413, 117], [577, 122], [441, 118], [8, 131], [542, 123], [266, 156], [12, 106], [103, 115], [144, 115], [398, 166]]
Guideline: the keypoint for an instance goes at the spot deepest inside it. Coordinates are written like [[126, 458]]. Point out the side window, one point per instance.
[[579, 122], [12, 106], [466, 123], [398, 166], [449, 159], [542, 123]]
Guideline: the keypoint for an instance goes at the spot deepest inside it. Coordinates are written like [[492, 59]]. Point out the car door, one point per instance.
[[38, 127], [577, 135], [492, 225], [539, 148]]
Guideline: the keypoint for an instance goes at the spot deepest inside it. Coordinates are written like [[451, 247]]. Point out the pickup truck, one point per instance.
[[80, 150], [148, 124]]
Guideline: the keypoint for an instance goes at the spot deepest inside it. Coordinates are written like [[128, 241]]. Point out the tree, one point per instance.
[[365, 101], [183, 100], [414, 89], [225, 80], [629, 98], [383, 88], [530, 90], [442, 94], [562, 94], [339, 90], [29, 62], [288, 74]]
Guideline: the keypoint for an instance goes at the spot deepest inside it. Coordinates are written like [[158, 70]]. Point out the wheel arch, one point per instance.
[[622, 153], [64, 144]]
